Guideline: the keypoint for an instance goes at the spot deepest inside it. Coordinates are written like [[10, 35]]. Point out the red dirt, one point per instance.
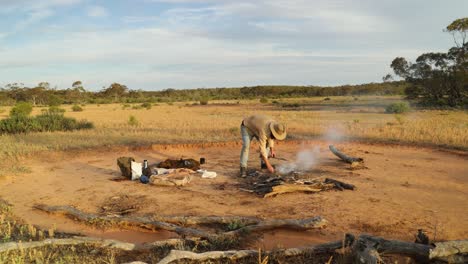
[[403, 189]]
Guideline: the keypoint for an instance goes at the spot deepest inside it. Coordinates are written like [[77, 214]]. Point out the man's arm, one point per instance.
[[268, 164]]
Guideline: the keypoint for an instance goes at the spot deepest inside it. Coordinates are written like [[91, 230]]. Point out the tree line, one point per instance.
[[43, 94]]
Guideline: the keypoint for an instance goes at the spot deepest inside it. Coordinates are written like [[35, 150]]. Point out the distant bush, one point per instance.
[[54, 120], [263, 100], [327, 99], [133, 121], [291, 105], [77, 108], [204, 101], [21, 109], [51, 119], [276, 102], [146, 105], [397, 108]]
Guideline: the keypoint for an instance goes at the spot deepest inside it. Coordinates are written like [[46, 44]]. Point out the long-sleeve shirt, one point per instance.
[[259, 126]]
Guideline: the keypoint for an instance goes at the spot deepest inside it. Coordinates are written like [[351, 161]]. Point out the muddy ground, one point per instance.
[[403, 189]]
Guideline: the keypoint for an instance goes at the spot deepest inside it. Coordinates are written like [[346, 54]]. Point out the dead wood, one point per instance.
[[299, 224], [249, 225], [446, 249], [277, 186], [344, 157], [289, 188], [235, 255], [367, 249], [339, 185], [97, 242]]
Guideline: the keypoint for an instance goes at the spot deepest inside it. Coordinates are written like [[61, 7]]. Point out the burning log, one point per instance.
[[274, 186], [351, 160], [340, 185]]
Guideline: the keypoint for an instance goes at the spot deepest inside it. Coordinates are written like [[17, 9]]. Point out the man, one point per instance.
[[265, 130]]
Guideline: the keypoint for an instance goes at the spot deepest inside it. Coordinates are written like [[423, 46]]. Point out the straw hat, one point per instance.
[[278, 130]]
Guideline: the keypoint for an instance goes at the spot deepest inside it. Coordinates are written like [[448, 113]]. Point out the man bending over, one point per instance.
[[265, 130]]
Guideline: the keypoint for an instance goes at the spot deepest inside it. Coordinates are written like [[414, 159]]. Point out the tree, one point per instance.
[[439, 78], [115, 90], [458, 29]]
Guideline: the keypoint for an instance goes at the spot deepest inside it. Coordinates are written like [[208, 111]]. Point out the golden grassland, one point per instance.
[[340, 118]]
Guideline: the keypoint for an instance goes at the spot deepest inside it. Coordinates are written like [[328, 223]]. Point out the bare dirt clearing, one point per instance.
[[404, 189]]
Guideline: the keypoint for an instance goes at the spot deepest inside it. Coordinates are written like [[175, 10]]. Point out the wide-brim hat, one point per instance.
[[278, 130]]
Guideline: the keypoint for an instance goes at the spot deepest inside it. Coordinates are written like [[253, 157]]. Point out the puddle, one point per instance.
[[133, 236], [282, 238]]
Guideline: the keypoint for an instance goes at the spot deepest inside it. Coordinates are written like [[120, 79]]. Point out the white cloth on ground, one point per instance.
[[136, 170], [207, 174]]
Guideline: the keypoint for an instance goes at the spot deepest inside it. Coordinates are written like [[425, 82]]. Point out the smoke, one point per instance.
[[334, 134], [305, 160]]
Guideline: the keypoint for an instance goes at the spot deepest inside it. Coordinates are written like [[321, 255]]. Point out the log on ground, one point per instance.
[[344, 157]]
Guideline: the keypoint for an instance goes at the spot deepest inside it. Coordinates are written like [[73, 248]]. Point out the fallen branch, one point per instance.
[[444, 250], [368, 249], [98, 242], [233, 255], [250, 225], [339, 185], [344, 157], [289, 188]]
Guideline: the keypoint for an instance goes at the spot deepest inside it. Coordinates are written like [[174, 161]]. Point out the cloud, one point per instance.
[[97, 11], [33, 17]]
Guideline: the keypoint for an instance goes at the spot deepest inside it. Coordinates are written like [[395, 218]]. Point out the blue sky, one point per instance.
[[158, 44]]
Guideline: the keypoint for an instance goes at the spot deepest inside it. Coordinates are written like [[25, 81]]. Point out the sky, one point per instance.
[[160, 44]]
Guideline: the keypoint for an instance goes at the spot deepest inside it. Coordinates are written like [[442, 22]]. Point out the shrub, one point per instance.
[[327, 99], [54, 120], [263, 100], [146, 105], [19, 124], [397, 108], [133, 121], [21, 109], [204, 101], [51, 119], [77, 108]]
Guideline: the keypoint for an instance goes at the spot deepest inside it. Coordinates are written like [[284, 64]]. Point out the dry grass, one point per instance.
[[341, 118]]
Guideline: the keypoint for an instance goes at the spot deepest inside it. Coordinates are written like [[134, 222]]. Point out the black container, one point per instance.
[[202, 161]]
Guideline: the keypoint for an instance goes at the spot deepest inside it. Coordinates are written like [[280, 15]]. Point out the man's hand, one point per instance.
[[270, 168], [272, 153]]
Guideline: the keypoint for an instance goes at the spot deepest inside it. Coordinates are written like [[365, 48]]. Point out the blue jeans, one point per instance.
[[246, 139]]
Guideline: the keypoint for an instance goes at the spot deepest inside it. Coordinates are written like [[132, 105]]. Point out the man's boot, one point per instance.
[[243, 172]]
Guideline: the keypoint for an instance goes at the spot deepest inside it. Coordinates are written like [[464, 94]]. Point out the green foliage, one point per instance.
[[292, 105], [133, 121], [19, 124], [263, 100], [21, 109], [437, 78], [77, 108], [397, 108], [51, 119], [234, 225], [55, 100], [204, 101], [146, 105]]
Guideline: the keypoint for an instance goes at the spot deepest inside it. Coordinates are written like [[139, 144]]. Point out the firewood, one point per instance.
[[289, 188], [344, 157]]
